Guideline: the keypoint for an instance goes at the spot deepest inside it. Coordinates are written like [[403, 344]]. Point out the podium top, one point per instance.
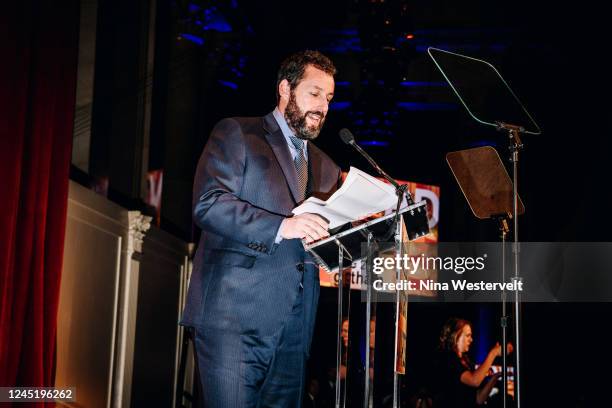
[[351, 238]]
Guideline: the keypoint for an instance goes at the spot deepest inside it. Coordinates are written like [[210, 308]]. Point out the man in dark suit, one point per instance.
[[253, 293]]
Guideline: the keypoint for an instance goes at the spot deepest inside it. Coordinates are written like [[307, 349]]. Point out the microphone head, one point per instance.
[[346, 136]]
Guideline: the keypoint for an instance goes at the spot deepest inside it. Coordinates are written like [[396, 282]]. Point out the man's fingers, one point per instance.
[[314, 230], [318, 228], [308, 226], [310, 236], [312, 224], [317, 218], [320, 232], [321, 221], [309, 239]]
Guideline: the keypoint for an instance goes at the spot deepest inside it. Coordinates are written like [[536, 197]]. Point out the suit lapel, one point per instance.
[[274, 136]]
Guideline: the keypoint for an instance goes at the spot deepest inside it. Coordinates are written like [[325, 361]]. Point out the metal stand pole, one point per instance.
[[340, 396], [339, 334], [515, 146], [368, 392], [503, 226], [398, 250]]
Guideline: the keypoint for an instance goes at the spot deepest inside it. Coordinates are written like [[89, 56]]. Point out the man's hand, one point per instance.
[[307, 226]]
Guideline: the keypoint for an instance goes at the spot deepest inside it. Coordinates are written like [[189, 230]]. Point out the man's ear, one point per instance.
[[284, 89]]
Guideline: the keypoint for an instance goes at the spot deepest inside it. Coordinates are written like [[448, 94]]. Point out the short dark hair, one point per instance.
[[293, 67]]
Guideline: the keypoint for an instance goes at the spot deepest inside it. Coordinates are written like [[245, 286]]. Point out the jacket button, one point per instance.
[[300, 267]]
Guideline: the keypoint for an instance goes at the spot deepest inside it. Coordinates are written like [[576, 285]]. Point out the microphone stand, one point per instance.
[[395, 228], [400, 190], [380, 171], [515, 146]]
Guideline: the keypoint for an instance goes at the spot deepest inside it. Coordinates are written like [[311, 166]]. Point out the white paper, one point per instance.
[[361, 195]]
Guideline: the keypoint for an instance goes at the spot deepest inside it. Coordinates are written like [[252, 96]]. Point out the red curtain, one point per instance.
[[38, 60]]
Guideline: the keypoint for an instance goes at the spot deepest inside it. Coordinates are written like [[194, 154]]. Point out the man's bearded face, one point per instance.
[[306, 125]]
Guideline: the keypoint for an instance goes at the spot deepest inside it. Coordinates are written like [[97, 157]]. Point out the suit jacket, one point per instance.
[[245, 185]]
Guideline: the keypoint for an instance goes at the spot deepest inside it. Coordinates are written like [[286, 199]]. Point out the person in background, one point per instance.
[[459, 383]]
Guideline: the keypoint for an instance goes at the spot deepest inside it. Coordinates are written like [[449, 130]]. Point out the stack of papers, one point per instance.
[[360, 196]]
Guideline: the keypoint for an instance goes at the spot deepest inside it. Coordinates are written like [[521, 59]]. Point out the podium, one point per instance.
[[350, 243], [348, 239]]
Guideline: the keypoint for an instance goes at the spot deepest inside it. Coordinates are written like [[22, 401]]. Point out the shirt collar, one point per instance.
[[287, 132]]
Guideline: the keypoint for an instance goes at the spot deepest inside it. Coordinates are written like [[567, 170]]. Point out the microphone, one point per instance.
[[348, 138]]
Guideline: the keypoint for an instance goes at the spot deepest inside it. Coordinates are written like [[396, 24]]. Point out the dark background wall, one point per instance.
[[390, 92]]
